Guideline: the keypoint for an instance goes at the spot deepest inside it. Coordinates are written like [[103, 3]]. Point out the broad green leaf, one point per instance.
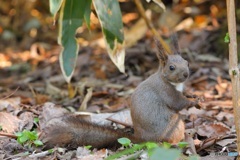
[[124, 141], [87, 13], [55, 6], [110, 18], [164, 154], [71, 17]]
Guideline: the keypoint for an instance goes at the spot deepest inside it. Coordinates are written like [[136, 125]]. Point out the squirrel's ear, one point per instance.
[[161, 54], [174, 44]]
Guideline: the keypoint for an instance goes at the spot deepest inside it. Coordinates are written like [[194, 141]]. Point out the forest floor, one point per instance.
[[32, 88]]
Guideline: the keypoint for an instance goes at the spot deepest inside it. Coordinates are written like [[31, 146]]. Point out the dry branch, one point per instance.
[[233, 66]]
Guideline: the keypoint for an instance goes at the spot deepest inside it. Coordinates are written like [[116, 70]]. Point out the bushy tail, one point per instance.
[[71, 131]]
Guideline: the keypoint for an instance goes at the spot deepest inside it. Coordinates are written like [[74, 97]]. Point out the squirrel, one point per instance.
[[154, 107]]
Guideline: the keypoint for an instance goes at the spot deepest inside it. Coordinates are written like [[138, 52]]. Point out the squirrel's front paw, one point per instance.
[[198, 103]]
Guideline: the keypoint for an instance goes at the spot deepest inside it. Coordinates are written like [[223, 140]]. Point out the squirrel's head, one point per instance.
[[173, 67]]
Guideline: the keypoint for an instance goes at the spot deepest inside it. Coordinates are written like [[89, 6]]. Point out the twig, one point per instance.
[[41, 154], [150, 25], [11, 93], [8, 135], [233, 66]]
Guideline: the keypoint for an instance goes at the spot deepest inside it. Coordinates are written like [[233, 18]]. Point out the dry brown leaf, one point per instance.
[[9, 123], [49, 112], [10, 102], [98, 155], [122, 117], [213, 130], [27, 120], [219, 103], [225, 142]]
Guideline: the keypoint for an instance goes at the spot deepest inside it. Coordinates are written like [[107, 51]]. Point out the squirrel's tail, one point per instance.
[[71, 131]]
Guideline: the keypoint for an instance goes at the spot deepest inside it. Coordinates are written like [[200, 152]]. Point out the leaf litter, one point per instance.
[[103, 90]]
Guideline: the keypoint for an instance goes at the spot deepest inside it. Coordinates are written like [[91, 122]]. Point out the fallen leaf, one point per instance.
[[9, 123], [213, 130], [27, 120], [225, 142], [98, 155], [49, 112], [10, 102]]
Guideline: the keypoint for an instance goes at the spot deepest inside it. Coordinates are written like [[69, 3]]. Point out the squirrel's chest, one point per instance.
[[179, 86]]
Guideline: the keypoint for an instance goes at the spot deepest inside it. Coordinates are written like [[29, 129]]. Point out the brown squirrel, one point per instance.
[[154, 110]]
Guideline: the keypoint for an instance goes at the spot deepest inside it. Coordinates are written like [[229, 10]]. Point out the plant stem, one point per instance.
[[233, 67], [150, 25]]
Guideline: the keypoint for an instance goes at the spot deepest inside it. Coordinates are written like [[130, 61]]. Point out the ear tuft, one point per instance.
[[174, 44], [161, 54]]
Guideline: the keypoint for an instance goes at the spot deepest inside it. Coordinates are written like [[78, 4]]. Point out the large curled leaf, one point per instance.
[[110, 17], [71, 17], [55, 6]]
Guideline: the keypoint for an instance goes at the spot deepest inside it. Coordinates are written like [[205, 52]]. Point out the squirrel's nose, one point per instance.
[[185, 74]]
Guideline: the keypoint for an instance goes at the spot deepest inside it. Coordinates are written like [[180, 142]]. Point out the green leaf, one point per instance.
[[55, 6], [38, 143], [151, 145], [23, 139], [88, 147], [165, 154], [71, 17], [36, 120], [166, 145], [31, 135], [126, 152], [182, 144], [87, 13], [110, 18], [124, 141], [18, 134], [227, 38], [50, 150], [0, 128]]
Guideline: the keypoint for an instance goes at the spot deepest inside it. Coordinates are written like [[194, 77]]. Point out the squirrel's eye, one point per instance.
[[172, 68]]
